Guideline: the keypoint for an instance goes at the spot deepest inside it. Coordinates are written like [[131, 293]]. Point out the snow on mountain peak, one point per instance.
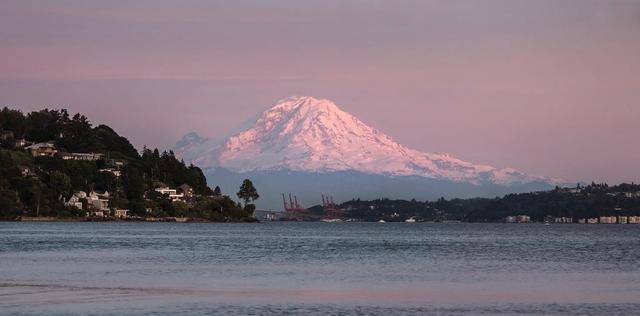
[[303, 133]]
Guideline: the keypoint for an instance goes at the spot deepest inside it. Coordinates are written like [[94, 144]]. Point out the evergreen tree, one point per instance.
[[248, 192]]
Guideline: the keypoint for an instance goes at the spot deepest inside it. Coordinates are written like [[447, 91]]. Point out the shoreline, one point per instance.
[[48, 219]]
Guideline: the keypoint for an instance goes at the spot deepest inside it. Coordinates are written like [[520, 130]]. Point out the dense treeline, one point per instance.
[[38, 186], [581, 202]]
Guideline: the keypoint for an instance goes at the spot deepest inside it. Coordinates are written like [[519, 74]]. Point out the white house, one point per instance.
[[608, 219], [76, 200], [99, 201], [172, 193]]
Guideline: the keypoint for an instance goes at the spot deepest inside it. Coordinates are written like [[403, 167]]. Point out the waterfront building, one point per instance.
[[523, 219], [622, 219], [264, 215], [563, 220], [633, 220], [510, 219], [608, 219], [98, 201], [119, 213], [592, 221], [582, 221], [95, 213]]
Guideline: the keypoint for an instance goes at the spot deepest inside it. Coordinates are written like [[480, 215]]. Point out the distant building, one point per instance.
[[98, 201], [186, 189], [622, 219], [119, 213], [82, 156], [582, 221], [510, 219], [76, 200], [263, 215], [573, 190], [95, 213], [592, 221], [633, 220], [172, 193], [563, 220], [42, 149], [632, 194], [523, 219], [117, 173], [608, 219]]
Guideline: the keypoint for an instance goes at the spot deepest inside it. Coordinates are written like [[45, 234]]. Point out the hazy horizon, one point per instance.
[[547, 87]]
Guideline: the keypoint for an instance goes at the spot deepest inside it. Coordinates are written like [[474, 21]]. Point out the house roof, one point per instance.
[[41, 145]]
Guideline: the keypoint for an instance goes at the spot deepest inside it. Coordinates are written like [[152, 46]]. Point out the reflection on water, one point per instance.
[[318, 268]]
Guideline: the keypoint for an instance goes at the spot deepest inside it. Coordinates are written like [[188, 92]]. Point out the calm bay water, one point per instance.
[[318, 269]]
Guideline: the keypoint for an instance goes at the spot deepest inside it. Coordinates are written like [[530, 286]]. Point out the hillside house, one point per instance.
[[186, 189], [42, 149], [117, 173], [76, 200], [171, 193], [82, 156], [98, 201]]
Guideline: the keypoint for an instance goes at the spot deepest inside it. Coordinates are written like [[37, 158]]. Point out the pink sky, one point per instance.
[[547, 87]]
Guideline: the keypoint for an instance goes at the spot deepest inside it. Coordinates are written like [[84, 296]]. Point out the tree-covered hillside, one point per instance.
[[48, 156], [581, 202]]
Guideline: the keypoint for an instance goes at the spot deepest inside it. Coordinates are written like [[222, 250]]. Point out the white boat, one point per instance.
[[382, 221], [410, 220], [331, 220]]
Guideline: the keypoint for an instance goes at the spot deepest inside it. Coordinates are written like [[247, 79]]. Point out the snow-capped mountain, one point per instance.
[[304, 134]]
